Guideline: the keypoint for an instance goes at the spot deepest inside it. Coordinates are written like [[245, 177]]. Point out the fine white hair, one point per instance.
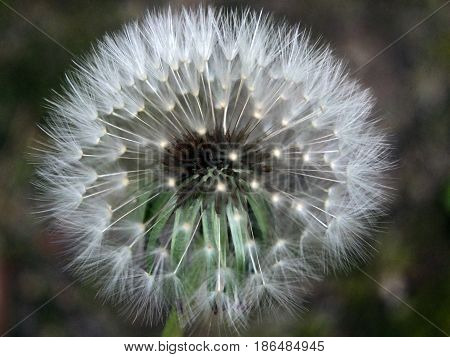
[[152, 239]]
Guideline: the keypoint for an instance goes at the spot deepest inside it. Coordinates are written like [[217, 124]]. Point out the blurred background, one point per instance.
[[404, 290]]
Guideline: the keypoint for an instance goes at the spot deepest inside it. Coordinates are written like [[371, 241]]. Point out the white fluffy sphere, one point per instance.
[[211, 163]]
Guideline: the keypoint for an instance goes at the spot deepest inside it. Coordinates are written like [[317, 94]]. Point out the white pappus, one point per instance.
[[211, 163]]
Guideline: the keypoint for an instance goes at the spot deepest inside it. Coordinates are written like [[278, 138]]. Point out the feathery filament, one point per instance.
[[211, 163]]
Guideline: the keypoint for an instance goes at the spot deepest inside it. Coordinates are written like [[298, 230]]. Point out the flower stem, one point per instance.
[[172, 327]]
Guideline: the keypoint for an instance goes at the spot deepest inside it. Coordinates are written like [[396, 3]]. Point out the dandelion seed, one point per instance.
[[211, 163], [221, 187], [171, 182], [254, 184], [276, 153], [233, 156], [275, 198]]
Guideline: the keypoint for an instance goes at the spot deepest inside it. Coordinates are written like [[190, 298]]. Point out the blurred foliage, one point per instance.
[[411, 82]]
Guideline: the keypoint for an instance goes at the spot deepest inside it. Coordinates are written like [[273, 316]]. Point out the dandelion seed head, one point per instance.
[[211, 163]]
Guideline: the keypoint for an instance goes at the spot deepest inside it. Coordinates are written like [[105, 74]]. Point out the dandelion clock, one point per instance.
[[209, 165]]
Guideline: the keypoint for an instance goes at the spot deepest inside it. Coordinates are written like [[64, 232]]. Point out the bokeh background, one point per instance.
[[410, 80]]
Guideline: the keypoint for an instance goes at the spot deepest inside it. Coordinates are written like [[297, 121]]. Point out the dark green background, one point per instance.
[[411, 82]]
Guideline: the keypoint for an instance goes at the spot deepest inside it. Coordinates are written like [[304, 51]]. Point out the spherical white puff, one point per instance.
[[297, 190]]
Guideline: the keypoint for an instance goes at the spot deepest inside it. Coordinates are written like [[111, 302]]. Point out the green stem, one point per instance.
[[172, 327]]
